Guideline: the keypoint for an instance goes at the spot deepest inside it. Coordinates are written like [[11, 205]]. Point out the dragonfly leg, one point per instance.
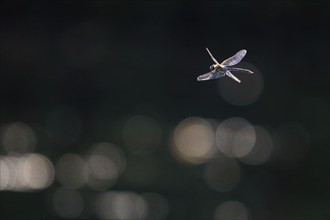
[[232, 76]]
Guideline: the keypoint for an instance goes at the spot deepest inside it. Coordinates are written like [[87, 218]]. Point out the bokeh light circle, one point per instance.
[[193, 140], [68, 203], [262, 149], [4, 174], [71, 171], [158, 206], [35, 171], [235, 137], [244, 93], [18, 137], [231, 210], [8, 175], [121, 205], [105, 162]]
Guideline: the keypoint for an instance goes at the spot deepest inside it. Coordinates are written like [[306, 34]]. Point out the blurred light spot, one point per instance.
[[4, 174], [158, 206], [102, 167], [291, 141], [8, 173], [113, 152], [35, 171], [141, 171], [244, 93], [235, 137], [141, 135], [64, 125], [105, 162], [18, 138], [222, 174], [193, 140], [121, 206], [68, 203], [71, 171], [26, 173], [262, 148], [231, 210]]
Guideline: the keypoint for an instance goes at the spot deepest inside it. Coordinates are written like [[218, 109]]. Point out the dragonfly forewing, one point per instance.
[[231, 61]]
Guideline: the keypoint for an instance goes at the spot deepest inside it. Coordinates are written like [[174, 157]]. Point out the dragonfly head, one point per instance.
[[215, 67]]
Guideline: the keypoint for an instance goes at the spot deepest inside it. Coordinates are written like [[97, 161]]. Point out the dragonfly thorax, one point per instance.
[[215, 67]]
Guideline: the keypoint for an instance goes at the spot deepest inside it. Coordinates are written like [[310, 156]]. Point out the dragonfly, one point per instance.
[[219, 70]]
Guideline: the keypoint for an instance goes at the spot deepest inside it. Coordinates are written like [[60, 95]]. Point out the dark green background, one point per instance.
[[149, 55]]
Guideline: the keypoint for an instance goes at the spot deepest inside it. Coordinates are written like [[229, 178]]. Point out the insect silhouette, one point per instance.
[[219, 70]]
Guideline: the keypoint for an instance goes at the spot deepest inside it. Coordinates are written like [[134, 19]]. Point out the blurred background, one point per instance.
[[102, 116]]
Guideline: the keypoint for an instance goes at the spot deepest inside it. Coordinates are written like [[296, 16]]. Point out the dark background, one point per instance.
[[110, 60]]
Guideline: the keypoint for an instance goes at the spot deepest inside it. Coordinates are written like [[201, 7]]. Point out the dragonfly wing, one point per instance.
[[211, 75], [232, 76], [239, 69], [231, 61], [214, 60]]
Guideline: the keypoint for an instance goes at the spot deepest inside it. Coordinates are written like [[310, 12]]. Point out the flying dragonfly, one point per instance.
[[219, 70]]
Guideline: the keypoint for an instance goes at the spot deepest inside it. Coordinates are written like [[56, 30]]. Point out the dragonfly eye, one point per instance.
[[211, 67]]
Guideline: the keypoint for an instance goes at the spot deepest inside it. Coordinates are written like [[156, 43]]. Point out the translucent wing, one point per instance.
[[239, 69], [232, 76], [234, 59], [206, 76], [214, 60], [211, 75]]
